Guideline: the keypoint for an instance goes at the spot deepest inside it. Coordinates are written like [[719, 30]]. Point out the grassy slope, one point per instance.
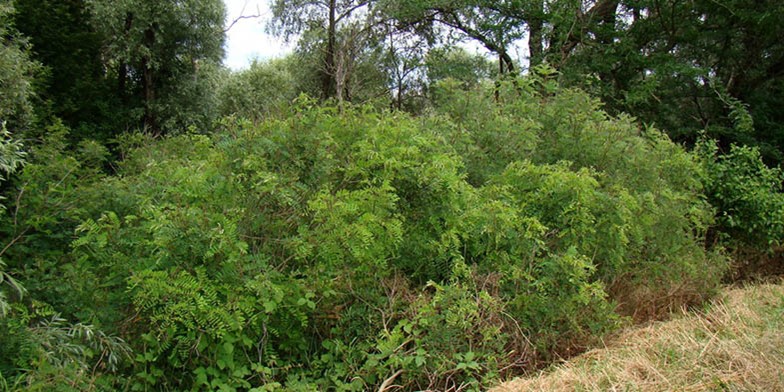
[[736, 345]]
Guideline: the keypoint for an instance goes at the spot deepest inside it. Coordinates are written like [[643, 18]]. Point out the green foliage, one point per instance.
[[747, 195], [691, 68], [458, 64], [72, 85], [42, 351], [162, 54], [17, 73], [355, 227], [258, 92], [310, 247], [350, 248], [454, 337], [7, 281], [636, 209], [688, 67], [11, 157]]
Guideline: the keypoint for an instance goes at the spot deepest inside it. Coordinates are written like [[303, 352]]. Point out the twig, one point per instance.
[[19, 202], [241, 17], [385, 384], [13, 241]]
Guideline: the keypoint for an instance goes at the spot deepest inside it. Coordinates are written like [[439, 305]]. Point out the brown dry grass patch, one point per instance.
[[736, 344]]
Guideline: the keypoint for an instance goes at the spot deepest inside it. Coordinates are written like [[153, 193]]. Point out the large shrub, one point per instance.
[[747, 194], [359, 249], [749, 205], [628, 199], [257, 92]]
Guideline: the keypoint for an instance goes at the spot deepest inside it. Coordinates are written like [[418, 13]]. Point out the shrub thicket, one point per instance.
[[747, 193], [362, 249], [749, 202]]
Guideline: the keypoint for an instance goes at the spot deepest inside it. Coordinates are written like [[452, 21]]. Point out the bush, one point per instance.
[[353, 250], [641, 217], [747, 195], [749, 205], [258, 92]]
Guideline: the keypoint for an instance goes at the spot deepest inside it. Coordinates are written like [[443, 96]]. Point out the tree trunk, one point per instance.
[[148, 86], [399, 102], [122, 78], [329, 85], [535, 27], [497, 91], [122, 72]]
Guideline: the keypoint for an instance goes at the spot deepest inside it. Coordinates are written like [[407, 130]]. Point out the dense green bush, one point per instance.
[[747, 194], [349, 251], [17, 75], [257, 92], [635, 207], [40, 349]]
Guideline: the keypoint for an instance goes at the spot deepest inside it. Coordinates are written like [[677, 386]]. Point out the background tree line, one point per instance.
[[690, 67]]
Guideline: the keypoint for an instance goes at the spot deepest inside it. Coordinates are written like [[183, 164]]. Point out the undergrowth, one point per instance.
[[355, 249]]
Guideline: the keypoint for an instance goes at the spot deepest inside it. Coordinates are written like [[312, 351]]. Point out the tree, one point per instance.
[[689, 66], [711, 67], [258, 91], [403, 59], [493, 29], [553, 28], [456, 63], [303, 16], [156, 46], [73, 85], [17, 74]]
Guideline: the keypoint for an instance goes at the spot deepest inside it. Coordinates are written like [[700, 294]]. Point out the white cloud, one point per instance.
[[247, 40]]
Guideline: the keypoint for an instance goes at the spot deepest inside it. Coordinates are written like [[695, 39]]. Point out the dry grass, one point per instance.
[[736, 345]]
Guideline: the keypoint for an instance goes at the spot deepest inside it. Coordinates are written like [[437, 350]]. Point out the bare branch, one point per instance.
[[241, 17], [348, 12], [389, 381]]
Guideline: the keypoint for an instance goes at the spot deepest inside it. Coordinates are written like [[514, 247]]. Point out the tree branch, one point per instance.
[[348, 12], [490, 45], [388, 381], [241, 17]]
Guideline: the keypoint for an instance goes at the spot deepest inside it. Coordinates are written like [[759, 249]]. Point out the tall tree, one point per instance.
[[476, 20], [696, 66], [692, 67], [73, 85], [17, 73], [552, 28], [404, 57], [293, 17], [154, 46]]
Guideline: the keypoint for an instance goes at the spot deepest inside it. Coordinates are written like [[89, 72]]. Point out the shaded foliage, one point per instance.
[[17, 75]]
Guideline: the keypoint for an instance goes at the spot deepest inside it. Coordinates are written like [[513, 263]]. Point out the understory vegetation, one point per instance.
[[352, 250]]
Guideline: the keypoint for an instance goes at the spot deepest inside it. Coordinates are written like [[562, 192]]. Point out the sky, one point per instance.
[[247, 39]]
